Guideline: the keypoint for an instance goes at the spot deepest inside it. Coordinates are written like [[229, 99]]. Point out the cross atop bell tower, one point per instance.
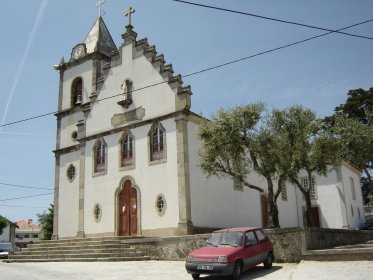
[[128, 14], [99, 6]]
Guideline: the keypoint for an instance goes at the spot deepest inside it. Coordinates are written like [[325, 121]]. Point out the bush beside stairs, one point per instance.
[[79, 250]]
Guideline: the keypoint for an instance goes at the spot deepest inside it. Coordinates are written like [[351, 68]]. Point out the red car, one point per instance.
[[231, 251]]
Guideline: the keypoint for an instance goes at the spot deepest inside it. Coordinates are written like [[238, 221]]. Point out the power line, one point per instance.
[[272, 19], [22, 197], [22, 206], [205, 70], [25, 187]]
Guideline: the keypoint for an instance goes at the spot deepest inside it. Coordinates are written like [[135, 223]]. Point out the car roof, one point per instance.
[[239, 229]]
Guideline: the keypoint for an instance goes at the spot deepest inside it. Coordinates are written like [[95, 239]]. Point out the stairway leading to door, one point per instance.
[[79, 250]]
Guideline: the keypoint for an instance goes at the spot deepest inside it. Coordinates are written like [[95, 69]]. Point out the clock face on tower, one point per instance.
[[78, 51]]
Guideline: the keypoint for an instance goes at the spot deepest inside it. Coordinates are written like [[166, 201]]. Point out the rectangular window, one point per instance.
[[237, 185], [353, 193], [35, 236], [305, 184], [284, 192], [27, 235]]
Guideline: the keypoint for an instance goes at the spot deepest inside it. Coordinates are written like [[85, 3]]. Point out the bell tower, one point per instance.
[[81, 79]]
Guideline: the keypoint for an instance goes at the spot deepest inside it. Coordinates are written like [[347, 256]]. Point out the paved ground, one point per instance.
[[163, 270]]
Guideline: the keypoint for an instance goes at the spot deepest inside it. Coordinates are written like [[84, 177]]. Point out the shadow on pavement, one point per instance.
[[254, 273]]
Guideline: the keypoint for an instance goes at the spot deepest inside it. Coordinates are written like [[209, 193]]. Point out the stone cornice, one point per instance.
[[115, 130]]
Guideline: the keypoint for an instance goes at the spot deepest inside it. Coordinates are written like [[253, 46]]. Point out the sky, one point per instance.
[[36, 34]]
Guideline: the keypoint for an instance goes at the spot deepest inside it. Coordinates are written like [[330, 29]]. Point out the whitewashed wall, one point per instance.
[[354, 207], [68, 197]]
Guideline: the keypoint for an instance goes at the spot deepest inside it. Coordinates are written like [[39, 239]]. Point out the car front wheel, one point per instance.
[[236, 271], [268, 261]]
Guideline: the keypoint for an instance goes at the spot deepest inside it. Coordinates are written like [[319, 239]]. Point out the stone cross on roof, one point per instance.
[[128, 14], [99, 5]]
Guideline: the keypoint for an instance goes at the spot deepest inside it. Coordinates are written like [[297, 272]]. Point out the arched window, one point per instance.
[[157, 137], [127, 150], [77, 92], [100, 156]]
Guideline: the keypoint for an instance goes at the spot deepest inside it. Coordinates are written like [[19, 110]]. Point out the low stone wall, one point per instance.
[[320, 238], [168, 248], [289, 244]]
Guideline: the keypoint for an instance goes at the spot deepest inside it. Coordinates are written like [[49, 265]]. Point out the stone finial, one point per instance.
[[129, 36]]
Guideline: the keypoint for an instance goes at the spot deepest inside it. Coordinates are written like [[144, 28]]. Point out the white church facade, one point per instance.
[[127, 154]]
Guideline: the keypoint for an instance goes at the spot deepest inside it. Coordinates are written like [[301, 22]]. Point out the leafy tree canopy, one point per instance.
[[359, 105], [3, 223], [46, 221]]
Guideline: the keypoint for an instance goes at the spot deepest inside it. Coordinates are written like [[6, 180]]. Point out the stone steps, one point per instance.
[[79, 249], [357, 252]]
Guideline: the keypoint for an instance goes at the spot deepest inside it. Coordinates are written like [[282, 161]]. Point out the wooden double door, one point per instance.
[[127, 209]]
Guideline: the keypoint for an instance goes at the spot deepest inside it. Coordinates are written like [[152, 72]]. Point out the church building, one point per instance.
[[127, 153]]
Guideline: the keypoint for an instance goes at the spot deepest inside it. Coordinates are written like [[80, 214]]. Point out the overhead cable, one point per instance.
[[22, 197], [204, 70], [273, 19], [25, 187]]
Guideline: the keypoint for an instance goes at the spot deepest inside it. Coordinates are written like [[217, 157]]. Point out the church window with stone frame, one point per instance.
[[71, 173], [160, 204], [100, 156], [157, 139], [97, 212], [127, 149], [77, 92]]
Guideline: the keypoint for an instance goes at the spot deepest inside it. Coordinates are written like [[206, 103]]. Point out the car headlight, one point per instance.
[[189, 258], [222, 259]]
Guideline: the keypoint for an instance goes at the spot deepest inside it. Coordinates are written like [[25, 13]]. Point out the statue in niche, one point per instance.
[[126, 94]]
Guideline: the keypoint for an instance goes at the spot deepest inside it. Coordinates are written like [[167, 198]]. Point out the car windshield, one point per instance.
[[225, 238]]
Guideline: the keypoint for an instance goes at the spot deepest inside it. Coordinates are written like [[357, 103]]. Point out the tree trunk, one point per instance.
[[307, 198], [370, 181], [308, 216], [274, 221]]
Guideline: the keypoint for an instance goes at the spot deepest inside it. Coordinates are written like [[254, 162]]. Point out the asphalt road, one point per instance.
[[164, 270]]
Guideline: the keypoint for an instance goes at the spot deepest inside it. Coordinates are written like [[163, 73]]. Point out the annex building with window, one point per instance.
[[127, 153]]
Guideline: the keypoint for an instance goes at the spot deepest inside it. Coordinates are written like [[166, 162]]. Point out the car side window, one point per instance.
[[260, 235], [250, 239]]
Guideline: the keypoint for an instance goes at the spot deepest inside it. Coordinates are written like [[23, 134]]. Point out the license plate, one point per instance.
[[205, 267]]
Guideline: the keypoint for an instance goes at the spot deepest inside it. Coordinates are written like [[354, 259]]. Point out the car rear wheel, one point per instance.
[[268, 261], [195, 276], [236, 271]]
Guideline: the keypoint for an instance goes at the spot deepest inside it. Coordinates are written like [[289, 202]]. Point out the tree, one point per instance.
[[234, 144], [357, 144], [3, 223], [303, 145], [359, 106], [46, 221]]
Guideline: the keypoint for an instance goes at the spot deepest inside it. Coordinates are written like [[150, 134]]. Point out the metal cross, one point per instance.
[[99, 5], [128, 14]]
